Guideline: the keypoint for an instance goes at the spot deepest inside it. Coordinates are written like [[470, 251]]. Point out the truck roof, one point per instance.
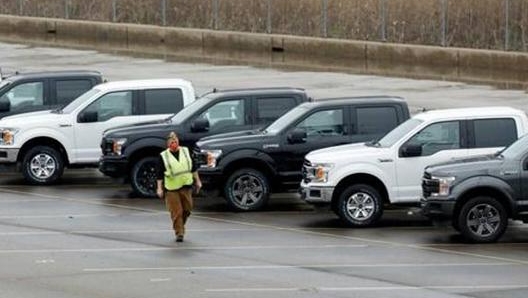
[[254, 91], [51, 74], [475, 112], [142, 84], [321, 102]]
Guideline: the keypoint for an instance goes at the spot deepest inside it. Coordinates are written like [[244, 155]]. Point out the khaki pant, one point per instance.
[[180, 204]]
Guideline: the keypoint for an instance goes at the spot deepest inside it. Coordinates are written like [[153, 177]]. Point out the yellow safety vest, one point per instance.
[[177, 172]]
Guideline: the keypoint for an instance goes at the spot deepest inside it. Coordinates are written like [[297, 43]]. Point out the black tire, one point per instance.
[[247, 190], [360, 205], [143, 177], [482, 219], [42, 165]]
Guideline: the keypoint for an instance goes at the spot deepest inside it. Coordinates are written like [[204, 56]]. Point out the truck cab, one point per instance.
[[37, 91], [357, 180]]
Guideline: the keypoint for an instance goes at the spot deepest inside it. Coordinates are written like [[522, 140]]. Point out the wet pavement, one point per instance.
[[90, 237]]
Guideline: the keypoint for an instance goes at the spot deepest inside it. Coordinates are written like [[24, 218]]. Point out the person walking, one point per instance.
[[176, 176]]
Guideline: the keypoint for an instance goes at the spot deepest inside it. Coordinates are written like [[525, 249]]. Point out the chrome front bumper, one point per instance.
[[316, 194], [8, 155]]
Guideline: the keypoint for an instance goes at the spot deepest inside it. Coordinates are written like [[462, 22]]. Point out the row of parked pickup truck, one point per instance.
[[353, 154]]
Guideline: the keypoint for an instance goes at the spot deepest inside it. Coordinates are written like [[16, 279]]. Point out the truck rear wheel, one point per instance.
[[247, 190], [42, 165], [482, 219], [143, 177], [360, 205]]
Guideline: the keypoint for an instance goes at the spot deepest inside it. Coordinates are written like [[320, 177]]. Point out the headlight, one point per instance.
[[211, 157], [444, 184], [7, 136], [117, 146], [320, 172]]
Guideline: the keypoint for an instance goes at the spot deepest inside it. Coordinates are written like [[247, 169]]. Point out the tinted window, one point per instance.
[[70, 89], [163, 101], [112, 105], [376, 120], [324, 123], [25, 95], [225, 114], [494, 132], [437, 137], [270, 109]]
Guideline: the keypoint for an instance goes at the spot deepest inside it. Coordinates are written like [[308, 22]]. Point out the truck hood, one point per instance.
[[42, 118], [250, 139], [475, 165], [137, 130], [136, 125], [30, 114], [347, 153]]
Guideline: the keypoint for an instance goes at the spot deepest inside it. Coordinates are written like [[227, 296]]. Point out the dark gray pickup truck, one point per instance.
[[478, 195], [38, 91]]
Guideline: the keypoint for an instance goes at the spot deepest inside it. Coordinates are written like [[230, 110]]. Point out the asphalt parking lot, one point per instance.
[[90, 237]]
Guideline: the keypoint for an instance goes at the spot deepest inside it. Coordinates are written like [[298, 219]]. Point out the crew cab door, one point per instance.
[[324, 127], [157, 104], [228, 115], [267, 109], [110, 110], [435, 143], [65, 90], [24, 96]]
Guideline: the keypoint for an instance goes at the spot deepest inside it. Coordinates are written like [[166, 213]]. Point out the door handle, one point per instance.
[[65, 125]]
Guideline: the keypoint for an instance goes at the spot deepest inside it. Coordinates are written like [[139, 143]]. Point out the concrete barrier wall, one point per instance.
[[365, 57]]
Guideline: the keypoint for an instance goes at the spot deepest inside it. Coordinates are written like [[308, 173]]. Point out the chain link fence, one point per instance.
[[484, 24]]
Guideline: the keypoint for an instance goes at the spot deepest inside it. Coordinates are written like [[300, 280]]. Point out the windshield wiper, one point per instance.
[[373, 143]]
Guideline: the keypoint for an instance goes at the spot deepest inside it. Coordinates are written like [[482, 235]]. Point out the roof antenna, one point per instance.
[[215, 90]]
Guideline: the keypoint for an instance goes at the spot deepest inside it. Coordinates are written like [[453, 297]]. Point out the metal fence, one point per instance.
[[488, 24]]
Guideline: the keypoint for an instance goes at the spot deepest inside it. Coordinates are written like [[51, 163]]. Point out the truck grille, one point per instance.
[[307, 171], [107, 147], [429, 185]]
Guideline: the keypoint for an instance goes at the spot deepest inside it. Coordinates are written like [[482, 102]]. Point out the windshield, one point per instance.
[[79, 101], [399, 132], [286, 120], [515, 149], [190, 110]]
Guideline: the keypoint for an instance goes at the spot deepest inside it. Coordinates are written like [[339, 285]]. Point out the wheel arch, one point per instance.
[[360, 178], [43, 141], [486, 191]]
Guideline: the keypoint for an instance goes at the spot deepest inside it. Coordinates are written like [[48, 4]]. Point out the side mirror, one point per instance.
[[88, 116], [297, 136], [5, 106], [200, 125], [411, 150]]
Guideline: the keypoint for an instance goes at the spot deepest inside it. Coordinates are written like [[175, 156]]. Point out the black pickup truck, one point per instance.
[[132, 152], [38, 91], [478, 195], [247, 166]]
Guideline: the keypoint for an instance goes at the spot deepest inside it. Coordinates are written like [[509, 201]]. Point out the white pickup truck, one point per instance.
[[43, 143], [356, 180]]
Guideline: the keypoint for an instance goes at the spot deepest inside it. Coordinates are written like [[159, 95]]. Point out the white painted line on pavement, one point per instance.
[[370, 288], [134, 249], [301, 266], [11, 201]]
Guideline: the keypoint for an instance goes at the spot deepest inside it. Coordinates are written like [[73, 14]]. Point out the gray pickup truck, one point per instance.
[[38, 91]]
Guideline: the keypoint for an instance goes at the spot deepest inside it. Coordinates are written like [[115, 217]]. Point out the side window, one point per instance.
[[25, 95], [376, 120], [68, 90], [111, 105], [324, 123], [270, 109], [225, 114], [163, 101], [494, 132], [437, 137]]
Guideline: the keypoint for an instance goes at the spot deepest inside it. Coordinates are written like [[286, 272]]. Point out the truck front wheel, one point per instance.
[[143, 177], [247, 190], [42, 165], [482, 219], [360, 205]]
